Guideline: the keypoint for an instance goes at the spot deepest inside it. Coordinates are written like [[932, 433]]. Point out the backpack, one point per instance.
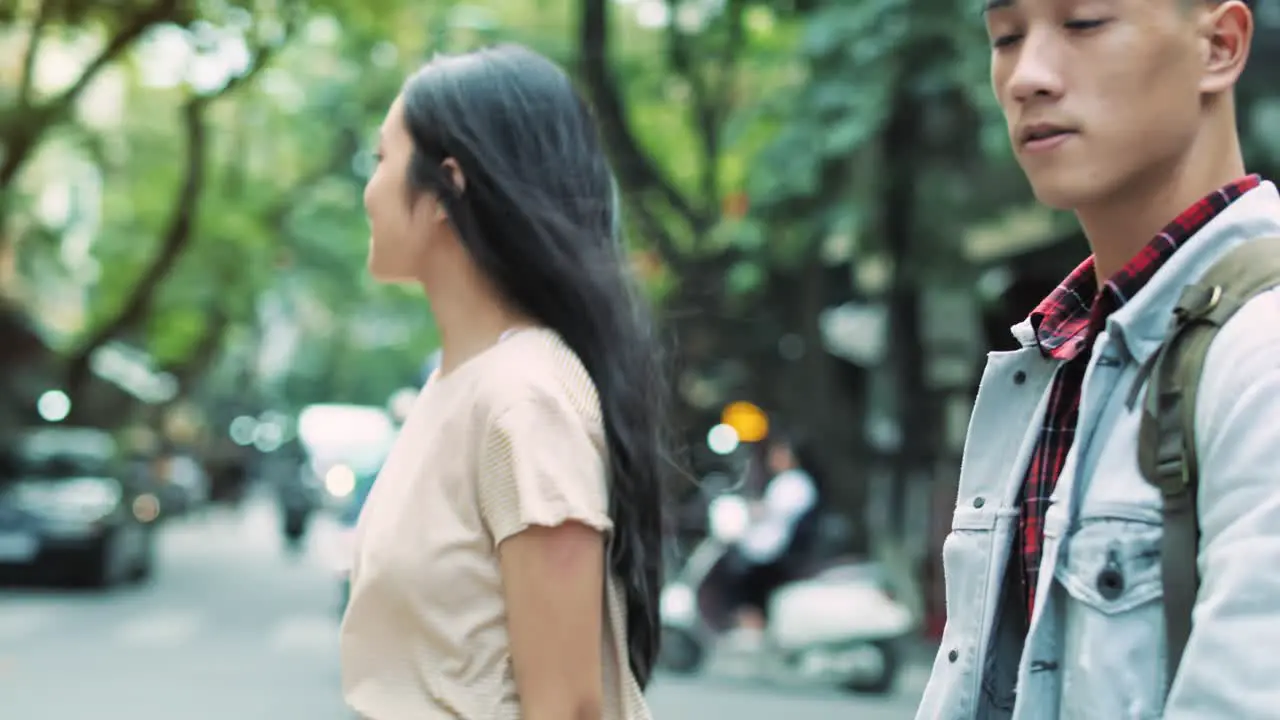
[[1166, 438]]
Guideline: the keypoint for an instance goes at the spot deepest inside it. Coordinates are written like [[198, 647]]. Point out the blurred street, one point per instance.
[[231, 626], [234, 627]]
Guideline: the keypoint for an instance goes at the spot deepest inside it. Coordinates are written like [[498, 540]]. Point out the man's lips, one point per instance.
[[1040, 139]]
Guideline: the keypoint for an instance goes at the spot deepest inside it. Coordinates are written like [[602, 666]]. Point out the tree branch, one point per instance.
[[27, 79], [637, 172], [203, 352], [680, 54], [710, 104], [176, 237], [25, 128], [730, 54], [178, 233], [124, 38]]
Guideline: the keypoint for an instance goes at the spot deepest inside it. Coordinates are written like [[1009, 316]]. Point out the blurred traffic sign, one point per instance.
[[749, 421]]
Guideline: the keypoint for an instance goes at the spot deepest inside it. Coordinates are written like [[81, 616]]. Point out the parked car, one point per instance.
[[70, 505]]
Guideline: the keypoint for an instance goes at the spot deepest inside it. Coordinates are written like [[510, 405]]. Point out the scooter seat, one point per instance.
[[844, 569]]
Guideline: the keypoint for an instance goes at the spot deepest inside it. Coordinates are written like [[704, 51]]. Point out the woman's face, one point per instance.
[[401, 225]]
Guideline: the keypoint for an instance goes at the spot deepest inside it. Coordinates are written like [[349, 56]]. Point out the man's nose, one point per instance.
[[1038, 71]]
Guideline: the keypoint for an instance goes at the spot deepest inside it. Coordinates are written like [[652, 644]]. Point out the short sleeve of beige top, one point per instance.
[[512, 438]]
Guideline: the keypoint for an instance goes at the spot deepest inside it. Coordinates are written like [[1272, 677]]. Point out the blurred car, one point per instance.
[[340, 444], [341, 447], [70, 505], [180, 482], [359, 474], [337, 476]]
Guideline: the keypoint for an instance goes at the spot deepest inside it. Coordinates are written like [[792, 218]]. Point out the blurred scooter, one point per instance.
[[835, 626]]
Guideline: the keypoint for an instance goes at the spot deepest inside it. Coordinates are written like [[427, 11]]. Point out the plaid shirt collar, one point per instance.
[[1067, 321]]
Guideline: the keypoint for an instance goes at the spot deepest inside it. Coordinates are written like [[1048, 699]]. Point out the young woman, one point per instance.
[[508, 561]]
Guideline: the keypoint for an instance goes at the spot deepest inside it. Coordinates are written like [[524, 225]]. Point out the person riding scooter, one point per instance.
[[780, 537], [767, 590]]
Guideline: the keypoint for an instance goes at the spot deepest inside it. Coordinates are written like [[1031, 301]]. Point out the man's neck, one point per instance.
[[1118, 229]]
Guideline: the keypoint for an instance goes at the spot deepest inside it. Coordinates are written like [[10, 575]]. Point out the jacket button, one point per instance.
[[979, 502], [953, 655], [1111, 580], [1110, 584], [1019, 377]]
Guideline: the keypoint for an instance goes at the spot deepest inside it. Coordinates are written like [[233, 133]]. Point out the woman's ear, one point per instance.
[[453, 171]]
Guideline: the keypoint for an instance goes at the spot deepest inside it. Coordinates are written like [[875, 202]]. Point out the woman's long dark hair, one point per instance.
[[539, 216]]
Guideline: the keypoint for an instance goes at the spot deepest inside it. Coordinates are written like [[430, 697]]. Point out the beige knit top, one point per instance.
[[511, 438]]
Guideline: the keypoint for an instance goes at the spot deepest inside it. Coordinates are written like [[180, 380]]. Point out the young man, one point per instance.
[[1122, 111]]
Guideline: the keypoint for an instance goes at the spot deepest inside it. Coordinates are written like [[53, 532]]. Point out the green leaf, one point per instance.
[[744, 277]]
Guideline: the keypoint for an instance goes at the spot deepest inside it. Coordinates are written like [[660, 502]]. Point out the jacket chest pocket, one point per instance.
[[1114, 649]]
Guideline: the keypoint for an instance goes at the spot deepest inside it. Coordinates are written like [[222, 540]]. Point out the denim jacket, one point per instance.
[[1095, 648]]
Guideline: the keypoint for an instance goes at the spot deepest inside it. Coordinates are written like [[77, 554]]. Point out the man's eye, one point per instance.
[[1083, 24], [1004, 40]]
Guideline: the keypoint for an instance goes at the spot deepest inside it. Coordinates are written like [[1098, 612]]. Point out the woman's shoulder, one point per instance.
[[535, 367]]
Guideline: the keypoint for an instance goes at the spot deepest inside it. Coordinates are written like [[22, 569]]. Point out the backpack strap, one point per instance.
[[1166, 438]]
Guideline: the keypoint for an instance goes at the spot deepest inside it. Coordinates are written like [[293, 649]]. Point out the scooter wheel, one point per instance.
[[681, 652], [883, 682]]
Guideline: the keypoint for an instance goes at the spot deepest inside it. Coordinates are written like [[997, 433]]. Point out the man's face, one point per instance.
[[1098, 95]]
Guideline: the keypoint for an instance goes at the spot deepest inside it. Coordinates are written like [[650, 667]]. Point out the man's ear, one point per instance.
[[453, 171], [1227, 33]]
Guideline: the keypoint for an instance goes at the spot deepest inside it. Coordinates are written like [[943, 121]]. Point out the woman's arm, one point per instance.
[[544, 499], [553, 580]]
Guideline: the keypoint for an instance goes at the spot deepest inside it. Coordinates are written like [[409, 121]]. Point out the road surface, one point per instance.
[[234, 627]]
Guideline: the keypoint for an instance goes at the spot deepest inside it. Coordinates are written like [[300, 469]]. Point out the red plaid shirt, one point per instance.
[[1066, 324]]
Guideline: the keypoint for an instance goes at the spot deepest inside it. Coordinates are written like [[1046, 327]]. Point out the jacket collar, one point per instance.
[[1143, 322]]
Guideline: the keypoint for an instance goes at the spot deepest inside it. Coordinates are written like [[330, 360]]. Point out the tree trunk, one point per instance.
[[828, 405], [910, 412]]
